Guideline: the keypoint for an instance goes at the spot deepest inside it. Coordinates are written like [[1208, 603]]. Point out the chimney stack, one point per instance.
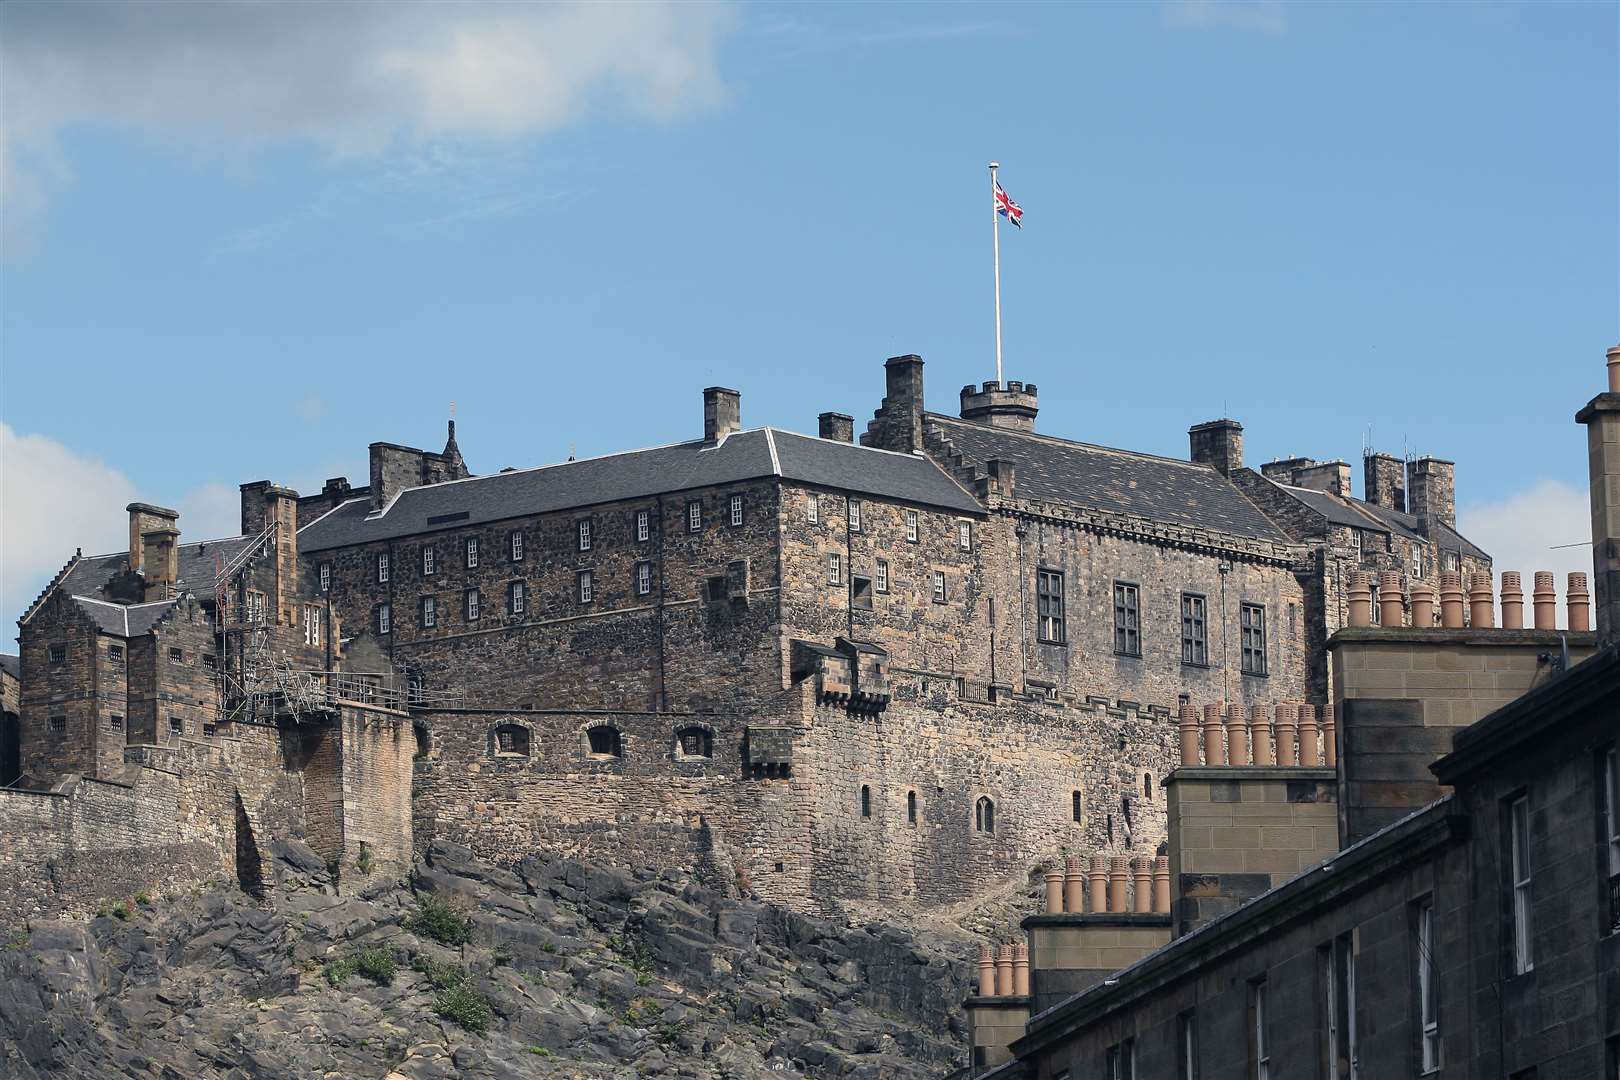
[[1218, 443], [1434, 491], [836, 426], [897, 424], [1329, 476], [1384, 481], [1602, 419], [722, 414], [144, 518], [162, 561]]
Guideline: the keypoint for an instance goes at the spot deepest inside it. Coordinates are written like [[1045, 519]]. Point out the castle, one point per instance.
[[890, 672]]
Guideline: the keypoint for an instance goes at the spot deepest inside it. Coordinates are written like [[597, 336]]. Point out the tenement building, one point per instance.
[[1426, 883], [827, 671]]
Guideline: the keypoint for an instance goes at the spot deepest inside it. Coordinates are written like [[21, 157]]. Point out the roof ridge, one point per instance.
[[1060, 441]]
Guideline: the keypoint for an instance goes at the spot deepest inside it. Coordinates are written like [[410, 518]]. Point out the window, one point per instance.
[[812, 508], [429, 566], [517, 597], [883, 575], [255, 607], [736, 509], [429, 613], [177, 656], [512, 739], [860, 593], [964, 535], [866, 801], [1427, 989], [1078, 807], [514, 544], [115, 653], [57, 725], [1611, 832], [210, 661], [643, 578], [177, 727], [312, 625], [472, 604], [1121, 1061], [115, 724], [209, 730], [326, 577], [1187, 1046], [854, 515], [587, 588], [1049, 607], [1259, 1047], [470, 549], [1127, 620], [385, 618], [1254, 639], [604, 741], [1194, 631], [1355, 540], [643, 525], [1147, 785], [1337, 960], [58, 654], [911, 807], [984, 815], [584, 534], [911, 526], [835, 569], [695, 742], [694, 516], [382, 568], [939, 586], [1417, 562], [1519, 873]]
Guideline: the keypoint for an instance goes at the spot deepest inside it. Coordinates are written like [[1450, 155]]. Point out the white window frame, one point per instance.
[[429, 560], [385, 618], [312, 625], [473, 605], [882, 575], [912, 519], [326, 577], [515, 545], [1520, 876], [471, 548], [694, 516], [1428, 989], [812, 511], [587, 586], [584, 527], [517, 597], [835, 569], [854, 515], [643, 525], [736, 510], [940, 595], [430, 612], [382, 567], [643, 578], [964, 535]]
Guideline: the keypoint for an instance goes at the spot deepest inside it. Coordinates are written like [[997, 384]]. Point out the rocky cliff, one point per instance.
[[552, 968]]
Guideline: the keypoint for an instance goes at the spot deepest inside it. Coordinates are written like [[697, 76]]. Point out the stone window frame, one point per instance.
[[115, 723], [1128, 619], [866, 801], [1194, 629], [382, 568], [694, 515], [1426, 988], [514, 545], [517, 597], [1147, 785], [115, 651], [984, 814], [1259, 1024], [1051, 621], [940, 591], [585, 586], [584, 529], [616, 753], [209, 730], [860, 593], [472, 605], [1252, 648], [427, 611], [913, 525], [177, 728], [853, 509], [643, 526], [1077, 807], [880, 576], [430, 560], [736, 510], [911, 807], [678, 748], [644, 577], [469, 551], [58, 654], [324, 572], [312, 625], [512, 726], [56, 725]]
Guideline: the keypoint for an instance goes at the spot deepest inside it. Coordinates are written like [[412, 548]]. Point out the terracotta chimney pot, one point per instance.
[[1161, 884], [1074, 886], [1451, 600], [1142, 884], [1359, 591], [1481, 611], [1214, 746], [1190, 754], [1545, 601], [1097, 883], [1579, 601], [1021, 969], [1237, 735], [1391, 606], [1330, 737], [1118, 874], [1422, 604], [987, 972], [1308, 755], [1004, 971], [1512, 601], [1054, 892], [1287, 731], [1260, 735]]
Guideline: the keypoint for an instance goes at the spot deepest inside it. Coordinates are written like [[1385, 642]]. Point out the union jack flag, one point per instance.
[[1007, 208]]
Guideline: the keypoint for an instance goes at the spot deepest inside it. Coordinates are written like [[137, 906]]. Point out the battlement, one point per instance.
[[1010, 405]]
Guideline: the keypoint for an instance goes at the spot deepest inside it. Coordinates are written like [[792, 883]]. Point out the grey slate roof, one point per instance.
[[745, 455], [125, 620], [11, 664], [196, 564], [1102, 478], [1366, 515]]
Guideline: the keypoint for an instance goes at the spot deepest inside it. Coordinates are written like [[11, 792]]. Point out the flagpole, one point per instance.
[[995, 231]]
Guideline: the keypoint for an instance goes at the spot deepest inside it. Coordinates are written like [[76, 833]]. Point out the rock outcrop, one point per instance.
[[550, 968]]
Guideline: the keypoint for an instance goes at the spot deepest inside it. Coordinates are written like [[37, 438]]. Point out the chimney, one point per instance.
[[1383, 482], [1218, 443], [1284, 470], [1434, 491], [262, 503], [722, 414], [162, 561], [1011, 405], [836, 426], [897, 424], [1329, 476], [1602, 419], [144, 518]]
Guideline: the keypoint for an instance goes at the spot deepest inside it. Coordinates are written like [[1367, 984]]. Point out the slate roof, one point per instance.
[[1103, 478], [196, 566], [125, 620], [11, 664], [745, 455], [1366, 515]]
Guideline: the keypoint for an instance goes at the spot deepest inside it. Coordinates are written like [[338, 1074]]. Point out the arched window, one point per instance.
[[694, 741], [604, 741], [984, 814], [866, 801], [512, 740], [1079, 807], [911, 807]]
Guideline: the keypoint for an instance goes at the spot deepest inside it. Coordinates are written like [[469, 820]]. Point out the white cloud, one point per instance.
[[1263, 16], [53, 500], [354, 79], [1531, 530]]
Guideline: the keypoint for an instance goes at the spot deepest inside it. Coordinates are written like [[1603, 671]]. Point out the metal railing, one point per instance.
[[293, 692]]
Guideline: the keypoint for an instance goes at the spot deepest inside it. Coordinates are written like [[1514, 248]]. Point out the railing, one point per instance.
[[288, 691]]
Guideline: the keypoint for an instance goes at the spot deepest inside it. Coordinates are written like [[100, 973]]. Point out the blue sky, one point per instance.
[[245, 242]]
